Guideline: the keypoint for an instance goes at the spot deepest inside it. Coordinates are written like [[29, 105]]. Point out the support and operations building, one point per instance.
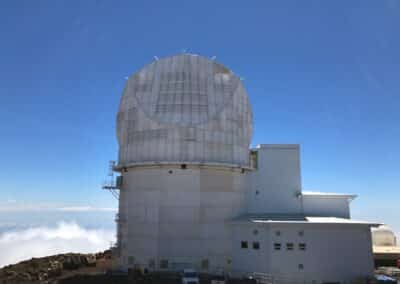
[[193, 194]]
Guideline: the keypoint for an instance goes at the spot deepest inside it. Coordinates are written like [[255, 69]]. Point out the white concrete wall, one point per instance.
[[276, 183], [326, 206], [180, 216], [184, 216], [334, 252], [250, 260]]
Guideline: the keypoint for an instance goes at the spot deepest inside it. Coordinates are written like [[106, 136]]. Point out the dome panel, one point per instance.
[[184, 108]]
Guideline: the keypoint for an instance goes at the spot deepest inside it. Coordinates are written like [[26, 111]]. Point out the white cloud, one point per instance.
[[43, 241], [86, 209], [14, 206]]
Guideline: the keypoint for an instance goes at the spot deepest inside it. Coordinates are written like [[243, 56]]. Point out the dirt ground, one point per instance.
[[53, 269], [84, 269]]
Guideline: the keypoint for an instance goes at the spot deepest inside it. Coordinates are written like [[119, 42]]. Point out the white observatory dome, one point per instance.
[[383, 236], [184, 109]]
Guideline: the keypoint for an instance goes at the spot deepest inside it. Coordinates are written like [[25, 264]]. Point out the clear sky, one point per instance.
[[325, 74]]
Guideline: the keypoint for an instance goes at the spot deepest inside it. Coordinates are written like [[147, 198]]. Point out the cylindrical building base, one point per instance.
[[175, 217]]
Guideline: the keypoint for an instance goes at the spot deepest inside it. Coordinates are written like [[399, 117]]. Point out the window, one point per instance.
[[289, 246], [255, 232], [204, 264], [277, 246], [164, 263], [256, 245], [190, 274], [302, 246], [301, 266], [301, 233], [131, 260], [253, 159], [244, 245], [277, 233], [152, 263]]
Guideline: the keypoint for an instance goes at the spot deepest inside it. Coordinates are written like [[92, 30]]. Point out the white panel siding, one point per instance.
[[334, 252], [276, 183], [315, 205], [182, 219]]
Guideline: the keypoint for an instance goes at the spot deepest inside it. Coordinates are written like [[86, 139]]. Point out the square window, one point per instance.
[[278, 233], [256, 245], [302, 246], [244, 245], [277, 246], [289, 246], [301, 266], [301, 233]]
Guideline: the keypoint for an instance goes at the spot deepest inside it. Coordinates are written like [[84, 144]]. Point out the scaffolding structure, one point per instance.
[[112, 182]]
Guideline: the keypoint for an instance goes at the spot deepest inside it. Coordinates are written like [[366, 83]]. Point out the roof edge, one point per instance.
[[329, 194], [121, 167]]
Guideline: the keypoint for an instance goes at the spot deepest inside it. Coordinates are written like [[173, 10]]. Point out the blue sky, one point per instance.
[[324, 74]]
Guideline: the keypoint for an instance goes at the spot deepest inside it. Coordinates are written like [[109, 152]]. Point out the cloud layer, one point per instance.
[[17, 206], [43, 241]]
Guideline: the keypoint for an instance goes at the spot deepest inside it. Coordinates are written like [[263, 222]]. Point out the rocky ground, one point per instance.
[[95, 269], [56, 268], [85, 269]]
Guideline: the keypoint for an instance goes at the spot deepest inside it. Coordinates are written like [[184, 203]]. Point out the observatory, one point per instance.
[[193, 194], [385, 248]]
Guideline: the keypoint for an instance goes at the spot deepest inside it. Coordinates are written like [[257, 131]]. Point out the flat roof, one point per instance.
[[298, 219], [328, 194], [339, 221], [278, 146]]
